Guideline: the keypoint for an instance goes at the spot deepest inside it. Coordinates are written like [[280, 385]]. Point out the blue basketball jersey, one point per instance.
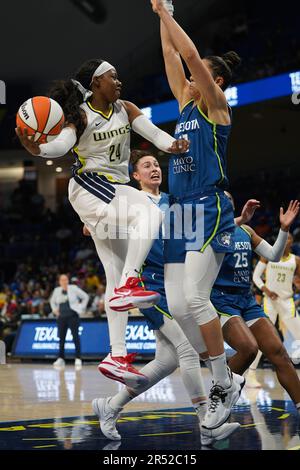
[[203, 166], [155, 258], [236, 269]]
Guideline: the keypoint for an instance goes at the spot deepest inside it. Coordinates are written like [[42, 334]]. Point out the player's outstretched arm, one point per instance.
[[275, 252], [209, 90], [174, 67], [144, 127], [57, 148], [247, 212]]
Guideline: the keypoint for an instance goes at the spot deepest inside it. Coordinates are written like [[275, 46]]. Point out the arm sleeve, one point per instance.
[[257, 274], [144, 127], [275, 252], [61, 145]]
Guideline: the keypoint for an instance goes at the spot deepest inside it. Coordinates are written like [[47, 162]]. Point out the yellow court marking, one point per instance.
[[284, 416], [14, 428], [250, 425], [167, 433], [295, 448], [43, 447], [53, 425]]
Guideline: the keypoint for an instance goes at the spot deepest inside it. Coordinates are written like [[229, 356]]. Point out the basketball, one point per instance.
[[41, 116]]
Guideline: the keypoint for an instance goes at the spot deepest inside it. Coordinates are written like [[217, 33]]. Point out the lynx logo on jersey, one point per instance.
[[224, 239], [99, 136]]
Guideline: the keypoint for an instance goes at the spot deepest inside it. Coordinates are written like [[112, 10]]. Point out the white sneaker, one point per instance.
[[209, 436], [107, 418], [221, 400], [59, 363], [252, 381], [78, 364]]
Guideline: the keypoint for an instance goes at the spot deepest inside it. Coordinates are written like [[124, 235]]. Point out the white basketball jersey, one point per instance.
[[279, 276], [104, 147]]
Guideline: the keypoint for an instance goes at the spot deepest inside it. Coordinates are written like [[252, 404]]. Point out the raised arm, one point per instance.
[[210, 91], [275, 252], [174, 68]]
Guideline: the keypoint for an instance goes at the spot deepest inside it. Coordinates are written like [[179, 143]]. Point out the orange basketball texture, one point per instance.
[[41, 116]]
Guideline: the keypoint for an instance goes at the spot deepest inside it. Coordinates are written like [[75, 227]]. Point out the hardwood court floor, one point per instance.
[[44, 408]]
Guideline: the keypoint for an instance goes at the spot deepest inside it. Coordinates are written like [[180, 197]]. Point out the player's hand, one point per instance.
[[157, 5], [272, 295], [248, 210], [86, 231], [288, 217], [28, 141], [179, 146]]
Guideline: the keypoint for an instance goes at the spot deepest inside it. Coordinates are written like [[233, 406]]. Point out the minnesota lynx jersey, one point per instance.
[[104, 147], [279, 276]]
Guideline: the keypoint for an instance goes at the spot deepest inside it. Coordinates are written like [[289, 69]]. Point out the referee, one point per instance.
[[68, 302]]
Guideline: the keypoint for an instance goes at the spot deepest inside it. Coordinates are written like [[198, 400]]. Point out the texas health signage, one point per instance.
[[40, 339], [240, 95]]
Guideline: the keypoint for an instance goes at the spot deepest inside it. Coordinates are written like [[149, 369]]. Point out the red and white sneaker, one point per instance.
[[133, 295], [122, 370]]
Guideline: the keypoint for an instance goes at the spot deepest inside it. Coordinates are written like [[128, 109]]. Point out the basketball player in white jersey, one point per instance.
[[278, 296], [172, 346], [122, 220]]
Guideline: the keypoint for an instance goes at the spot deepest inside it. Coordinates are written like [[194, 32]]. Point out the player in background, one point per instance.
[[196, 182], [245, 325], [278, 296], [172, 347], [122, 221]]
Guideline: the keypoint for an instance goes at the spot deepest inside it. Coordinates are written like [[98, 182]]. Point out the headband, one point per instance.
[[103, 68]]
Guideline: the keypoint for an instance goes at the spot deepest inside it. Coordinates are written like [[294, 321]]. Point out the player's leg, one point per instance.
[[271, 310], [288, 315], [201, 270], [271, 345], [116, 366], [192, 378], [132, 213], [120, 212], [108, 409], [237, 334], [174, 277]]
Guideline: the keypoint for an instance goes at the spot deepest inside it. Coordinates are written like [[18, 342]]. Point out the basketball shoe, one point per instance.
[[221, 400], [133, 295], [209, 436], [107, 418], [122, 370]]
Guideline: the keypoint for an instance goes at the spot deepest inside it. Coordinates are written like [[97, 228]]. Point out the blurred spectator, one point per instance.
[[98, 305], [68, 302]]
